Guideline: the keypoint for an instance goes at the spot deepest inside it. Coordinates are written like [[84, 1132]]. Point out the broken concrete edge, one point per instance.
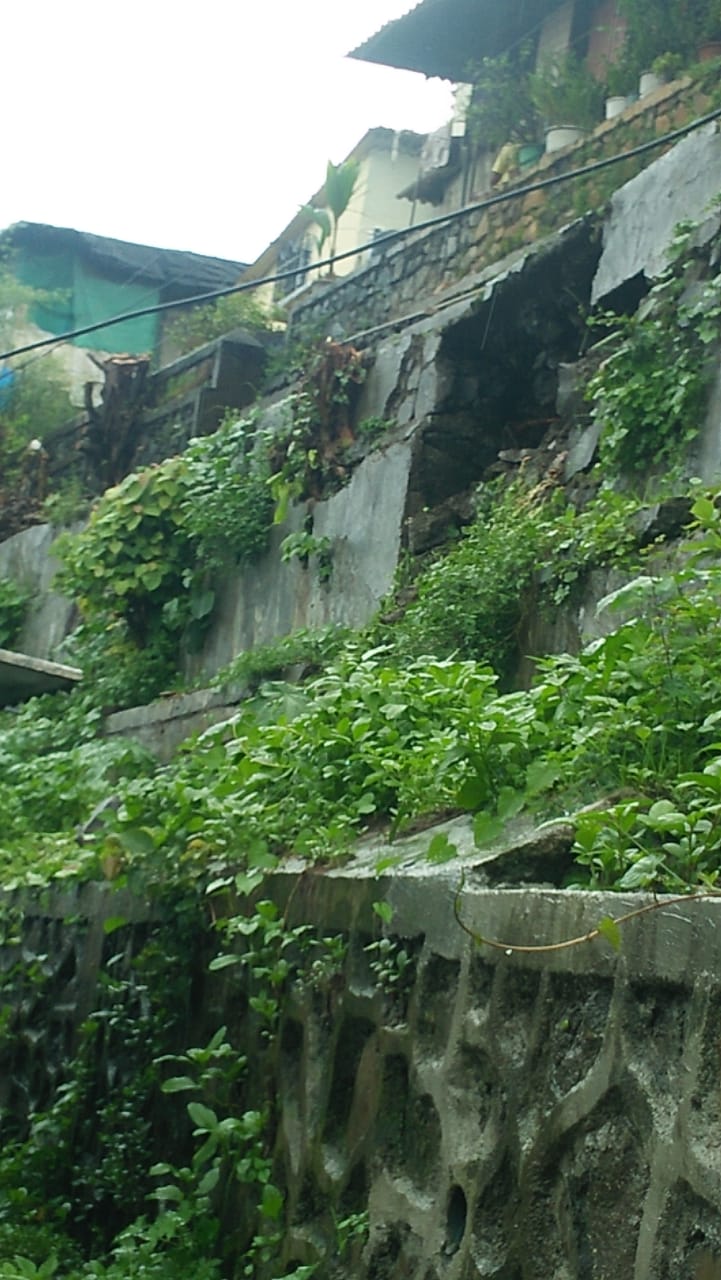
[[174, 706], [42, 665], [666, 938], [667, 943], [673, 938], [23, 677]]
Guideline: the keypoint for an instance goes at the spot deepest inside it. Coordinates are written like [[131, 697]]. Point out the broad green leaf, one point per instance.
[[111, 923], [383, 864], [540, 775], [209, 1181], [168, 1192], [610, 931], [704, 511], [178, 1084], [384, 911], [203, 1117], [137, 840], [510, 802], [486, 828], [366, 803], [217, 1040], [223, 962], [441, 849], [202, 604], [472, 793], [271, 1204], [641, 874]]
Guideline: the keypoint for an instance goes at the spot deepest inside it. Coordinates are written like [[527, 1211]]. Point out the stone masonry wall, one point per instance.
[[416, 273]]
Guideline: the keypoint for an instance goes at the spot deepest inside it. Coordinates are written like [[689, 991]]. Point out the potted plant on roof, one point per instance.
[[501, 110], [660, 38], [620, 84], [568, 98]]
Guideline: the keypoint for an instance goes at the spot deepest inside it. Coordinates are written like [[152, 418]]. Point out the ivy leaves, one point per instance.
[[649, 392], [145, 567]]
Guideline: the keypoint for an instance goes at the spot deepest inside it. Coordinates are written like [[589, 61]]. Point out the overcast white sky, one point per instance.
[[196, 126]]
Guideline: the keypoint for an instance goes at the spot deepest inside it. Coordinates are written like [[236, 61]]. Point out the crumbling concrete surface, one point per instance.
[[678, 187]]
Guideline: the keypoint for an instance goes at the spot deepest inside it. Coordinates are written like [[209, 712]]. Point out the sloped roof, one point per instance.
[[193, 272], [442, 37]]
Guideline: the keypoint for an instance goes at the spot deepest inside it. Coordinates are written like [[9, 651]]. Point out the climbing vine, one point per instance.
[[145, 568], [649, 392]]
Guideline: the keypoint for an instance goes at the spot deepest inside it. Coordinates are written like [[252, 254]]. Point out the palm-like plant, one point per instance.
[[340, 182]]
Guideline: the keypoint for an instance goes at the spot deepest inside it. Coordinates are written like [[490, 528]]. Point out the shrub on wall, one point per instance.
[[13, 606], [144, 569]]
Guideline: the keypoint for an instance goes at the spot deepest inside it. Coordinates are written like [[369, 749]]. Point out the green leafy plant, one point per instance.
[[563, 91], [621, 76], [501, 107], [392, 965], [667, 66], [653, 29], [302, 648], [649, 392], [302, 545], [13, 608], [471, 601], [340, 183], [194, 326], [144, 569]]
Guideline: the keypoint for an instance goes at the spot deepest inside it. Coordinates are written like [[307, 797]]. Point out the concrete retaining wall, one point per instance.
[[498, 1113]]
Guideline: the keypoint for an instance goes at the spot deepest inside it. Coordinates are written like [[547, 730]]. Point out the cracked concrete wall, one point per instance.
[[680, 186], [27, 559], [409, 277]]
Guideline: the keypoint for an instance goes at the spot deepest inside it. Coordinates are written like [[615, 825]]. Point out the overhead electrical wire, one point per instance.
[[500, 197]]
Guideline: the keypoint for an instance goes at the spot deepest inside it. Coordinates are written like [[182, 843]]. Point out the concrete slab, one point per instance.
[[679, 186], [22, 677]]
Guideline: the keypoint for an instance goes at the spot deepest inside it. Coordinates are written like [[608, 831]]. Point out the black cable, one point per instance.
[[500, 197]]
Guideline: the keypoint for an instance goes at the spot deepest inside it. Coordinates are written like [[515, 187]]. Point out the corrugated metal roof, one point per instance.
[[444, 37]]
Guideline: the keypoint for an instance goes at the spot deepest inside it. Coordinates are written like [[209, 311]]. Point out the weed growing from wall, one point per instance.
[[650, 392], [144, 569], [526, 547], [13, 608]]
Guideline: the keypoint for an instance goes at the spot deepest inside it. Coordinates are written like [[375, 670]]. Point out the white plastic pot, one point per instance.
[[559, 136], [648, 83], [615, 105]]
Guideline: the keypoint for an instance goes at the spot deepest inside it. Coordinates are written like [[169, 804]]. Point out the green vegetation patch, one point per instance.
[[144, 570]]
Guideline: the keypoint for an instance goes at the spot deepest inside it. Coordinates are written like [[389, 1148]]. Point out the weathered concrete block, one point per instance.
[[644, 212], [27, 558]]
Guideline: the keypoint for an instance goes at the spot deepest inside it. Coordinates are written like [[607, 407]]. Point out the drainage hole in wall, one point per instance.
[[456, 1214]]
